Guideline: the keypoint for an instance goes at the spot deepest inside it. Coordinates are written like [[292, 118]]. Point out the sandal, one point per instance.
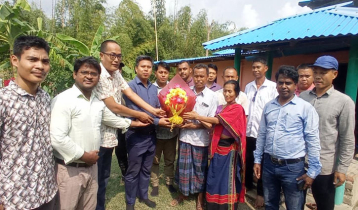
[[312, 206], [177, 201]]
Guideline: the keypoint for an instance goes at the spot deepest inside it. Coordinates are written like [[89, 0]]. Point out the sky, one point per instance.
[[244, 13]]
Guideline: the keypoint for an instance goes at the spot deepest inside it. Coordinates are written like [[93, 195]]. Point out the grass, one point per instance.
[[115, 196]]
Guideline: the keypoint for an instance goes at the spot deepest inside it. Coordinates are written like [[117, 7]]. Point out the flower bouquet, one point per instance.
[[176, 98]]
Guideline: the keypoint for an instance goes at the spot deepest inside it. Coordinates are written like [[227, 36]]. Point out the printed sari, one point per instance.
[[225, 181]]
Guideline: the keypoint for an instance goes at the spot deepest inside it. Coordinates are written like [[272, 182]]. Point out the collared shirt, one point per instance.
[[215, 87], [240, 99], [162, 132], [27, 167], [149, 94], [297, 91], [290, 131], [110, 86], [206, 104], [336, 128], [190, 83], [258, 99], [76, 123]]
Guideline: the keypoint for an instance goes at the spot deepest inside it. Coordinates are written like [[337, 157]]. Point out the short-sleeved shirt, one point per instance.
[[27, 173], [206, 105], [258, 99], [190, 82], [110, 86]]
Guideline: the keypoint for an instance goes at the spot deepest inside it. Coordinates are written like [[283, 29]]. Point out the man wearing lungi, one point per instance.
[[194, 140]]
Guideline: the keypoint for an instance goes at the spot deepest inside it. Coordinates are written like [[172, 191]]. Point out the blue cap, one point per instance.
[[326, 62]]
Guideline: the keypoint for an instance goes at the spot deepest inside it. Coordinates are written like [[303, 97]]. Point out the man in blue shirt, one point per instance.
[[288, 129], [141, 141]]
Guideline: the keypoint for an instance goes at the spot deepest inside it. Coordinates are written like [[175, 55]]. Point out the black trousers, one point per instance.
[[323, 192], [121, 153], [250, 148]]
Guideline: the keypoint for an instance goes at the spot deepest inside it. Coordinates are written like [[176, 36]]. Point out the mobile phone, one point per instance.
[[300, 184]]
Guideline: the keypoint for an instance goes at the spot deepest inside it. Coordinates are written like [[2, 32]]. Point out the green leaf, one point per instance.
[[5, 12], [23, 4], [39, 23], [5, 48], [96, 42], [74, 42]]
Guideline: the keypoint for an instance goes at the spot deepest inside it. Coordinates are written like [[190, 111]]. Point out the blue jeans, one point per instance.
[[275, 177], [104, 170]]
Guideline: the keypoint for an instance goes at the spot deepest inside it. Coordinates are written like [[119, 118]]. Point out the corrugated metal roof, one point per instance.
[[325, 22], [198, 58]]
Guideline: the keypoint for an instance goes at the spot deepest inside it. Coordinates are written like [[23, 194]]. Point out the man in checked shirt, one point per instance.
[[27, 174]]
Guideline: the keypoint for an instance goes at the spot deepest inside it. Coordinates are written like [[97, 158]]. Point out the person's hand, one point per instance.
[[257, 170], [341, 179], [138, 123], [90, 158], [145, 118], [164, 122], [308, 181], [190, 115], [2, 207], [189, 125], [159, 112]]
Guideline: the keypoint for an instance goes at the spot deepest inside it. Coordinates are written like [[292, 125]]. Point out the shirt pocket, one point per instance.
[[293, 123]]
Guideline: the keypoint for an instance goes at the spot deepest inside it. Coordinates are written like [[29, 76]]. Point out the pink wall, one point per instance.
[[294, 60]]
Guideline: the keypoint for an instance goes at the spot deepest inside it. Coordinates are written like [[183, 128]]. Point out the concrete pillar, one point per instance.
[[352, 73]]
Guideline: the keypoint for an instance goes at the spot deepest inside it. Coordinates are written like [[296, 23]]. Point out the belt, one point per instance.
[[286, 161], [77, 165]]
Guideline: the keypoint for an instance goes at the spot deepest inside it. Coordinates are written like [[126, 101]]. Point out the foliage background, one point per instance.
[[77, 27]]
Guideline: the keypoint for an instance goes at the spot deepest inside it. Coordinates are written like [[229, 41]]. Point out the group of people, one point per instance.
[[56, 154]]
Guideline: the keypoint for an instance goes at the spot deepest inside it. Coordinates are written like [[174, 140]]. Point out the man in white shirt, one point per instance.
[[76, 119], [194, 140], [230, 73], [259, 92]]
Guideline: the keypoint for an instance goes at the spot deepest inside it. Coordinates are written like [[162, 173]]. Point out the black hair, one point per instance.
[[184, 61], [289, 72], [260, 60], [201, 66], [213, 66], [304, 66], [105, 43], [89, 60], [141, 58], [230, 67], [26, 42], [162, 64], [236, 86]]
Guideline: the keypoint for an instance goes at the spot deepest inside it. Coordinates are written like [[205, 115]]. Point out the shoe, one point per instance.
[[171, 188], [149, 203], [155, 191], [129, 207]]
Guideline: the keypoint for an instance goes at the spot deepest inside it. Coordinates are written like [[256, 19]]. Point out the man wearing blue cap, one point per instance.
[[336, 131]]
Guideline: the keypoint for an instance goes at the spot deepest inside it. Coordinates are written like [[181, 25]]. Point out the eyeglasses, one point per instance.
[[113, 56], [88, 73], [253, 99]]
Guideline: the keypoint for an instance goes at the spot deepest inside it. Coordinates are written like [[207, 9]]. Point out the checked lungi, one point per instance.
[[192, 166]]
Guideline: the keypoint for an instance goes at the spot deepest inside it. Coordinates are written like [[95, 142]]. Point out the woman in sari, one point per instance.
[[225, 181]]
